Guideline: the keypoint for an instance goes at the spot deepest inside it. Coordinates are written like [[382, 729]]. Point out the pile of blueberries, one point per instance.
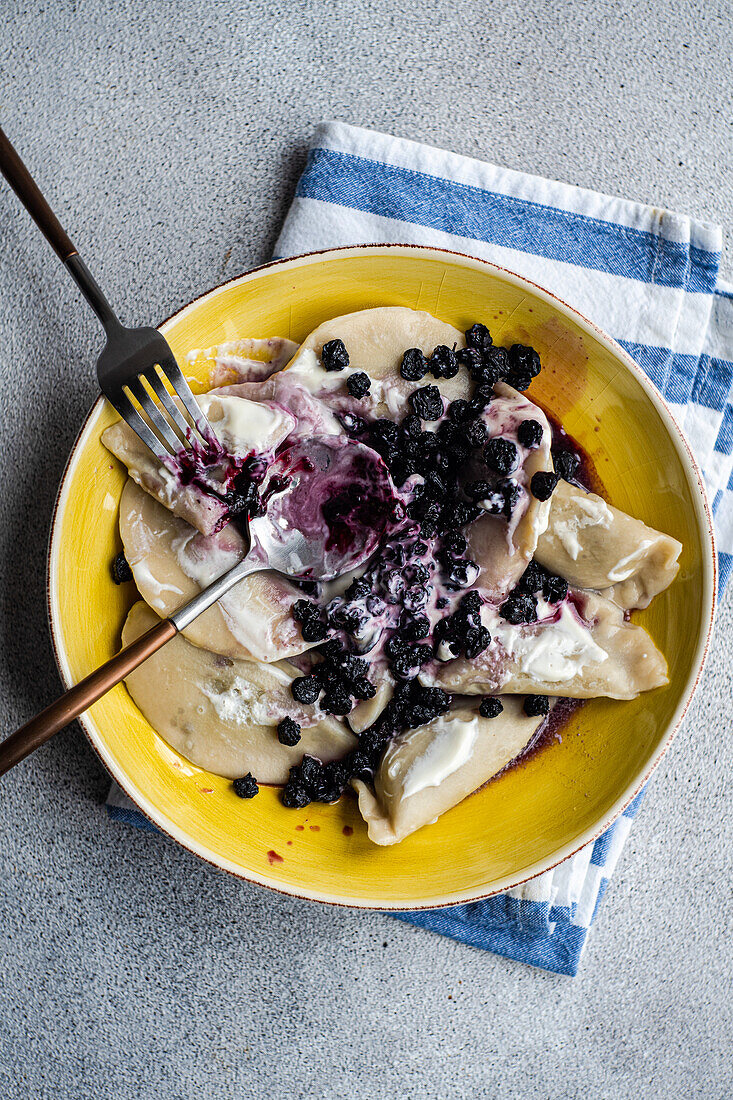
[[411, 705], [395, 588]]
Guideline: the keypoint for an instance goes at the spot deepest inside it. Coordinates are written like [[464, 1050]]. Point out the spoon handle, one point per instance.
[[77, 699]]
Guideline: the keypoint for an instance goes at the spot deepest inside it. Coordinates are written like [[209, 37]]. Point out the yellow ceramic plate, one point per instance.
[[537, 813]]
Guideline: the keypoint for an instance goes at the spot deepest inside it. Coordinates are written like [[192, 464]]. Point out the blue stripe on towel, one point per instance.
[[465, 210]]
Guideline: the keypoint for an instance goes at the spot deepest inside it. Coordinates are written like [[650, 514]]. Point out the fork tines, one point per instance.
[[163, 425]]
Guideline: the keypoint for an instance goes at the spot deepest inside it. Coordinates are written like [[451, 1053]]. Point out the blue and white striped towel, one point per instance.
[[646, 276]]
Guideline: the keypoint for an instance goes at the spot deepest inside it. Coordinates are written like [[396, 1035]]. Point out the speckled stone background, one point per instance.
[[169, 136]]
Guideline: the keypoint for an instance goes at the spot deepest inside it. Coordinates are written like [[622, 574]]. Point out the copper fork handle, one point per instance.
[[79, 698], [27, 190]]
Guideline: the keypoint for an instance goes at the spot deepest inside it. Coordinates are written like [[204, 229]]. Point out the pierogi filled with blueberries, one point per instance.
[[497, 583]]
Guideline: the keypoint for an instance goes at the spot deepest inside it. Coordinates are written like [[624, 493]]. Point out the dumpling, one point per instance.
[[502, 549], [594, 545], [172, 562], [376, 340], [248, 359], [426, 771], [221, 714], [243, 427], [366, 712], [581, 649], [312, 416]]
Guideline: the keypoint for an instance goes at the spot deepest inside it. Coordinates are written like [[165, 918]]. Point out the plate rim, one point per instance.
[[709, 582]]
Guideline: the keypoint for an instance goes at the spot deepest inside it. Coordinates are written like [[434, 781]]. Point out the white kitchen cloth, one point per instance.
[[646, 276]]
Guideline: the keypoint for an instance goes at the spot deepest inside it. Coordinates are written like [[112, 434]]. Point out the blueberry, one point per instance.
[[359, 589], [354, 667], [415, 598], [359, 384], [419, 573], [386, 430], [429, 703], [121, 572], [395, 646], [477, 640], [331, 650], [310, 773], [352, 423], [288, 732], [554, 588], [471, 359], [375, 605], [305, 689], [496, 363], [427, 403], [455, 542], [471, 603], [246, 787], [543, 484], [401, 468], [415, 629], [458, 513], [363, 688], [525, 359], [441, 603], [511, 493], [520, 379], [476, 433], [519, 607], [304, 611], [536, 705], [463, 573], [501, 455], [566, 464], [295, 796], [490, 707], [478, 490], [529, 433], [479, 337], [443, 362], [412, 426], [458, 410], [337, 702], [533, 578], [414, 365], [313, 630], [334, 355]]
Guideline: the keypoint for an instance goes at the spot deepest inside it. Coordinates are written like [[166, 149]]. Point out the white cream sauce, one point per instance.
[[202, 559], [310, 373], [449, 750], [144, 576], [594, 513], [552, 652], [623, 568], [241, 703], [246, 427]]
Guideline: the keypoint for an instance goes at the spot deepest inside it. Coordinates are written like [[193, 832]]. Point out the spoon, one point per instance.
[[302, 533]]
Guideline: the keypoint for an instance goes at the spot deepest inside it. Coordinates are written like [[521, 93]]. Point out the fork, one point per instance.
[[135, 363]]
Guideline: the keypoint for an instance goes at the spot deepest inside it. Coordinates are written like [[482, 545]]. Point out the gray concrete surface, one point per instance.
[[169, 137]]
